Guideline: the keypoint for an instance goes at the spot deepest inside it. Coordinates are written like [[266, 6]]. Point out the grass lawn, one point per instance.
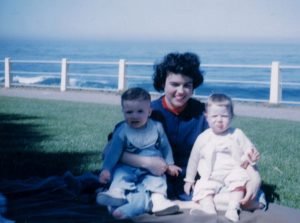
[[44, 138]]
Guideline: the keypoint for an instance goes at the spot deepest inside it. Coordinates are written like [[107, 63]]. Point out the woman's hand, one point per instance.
[[155, 165], [252, 185], [251, 191]]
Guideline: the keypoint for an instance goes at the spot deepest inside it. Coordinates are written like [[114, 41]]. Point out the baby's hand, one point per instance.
[[104, 177], [173, 170], [250, 158], [253, 155], [188, 186]]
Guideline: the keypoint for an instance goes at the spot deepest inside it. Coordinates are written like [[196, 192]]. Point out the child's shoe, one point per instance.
[[163, 206], [206, 205], [232, 212], [232, 215], [114, 197]]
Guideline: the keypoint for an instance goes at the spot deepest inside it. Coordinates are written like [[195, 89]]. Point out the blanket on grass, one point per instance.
[[67, 198]]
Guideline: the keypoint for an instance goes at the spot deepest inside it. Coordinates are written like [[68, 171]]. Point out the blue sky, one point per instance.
[[150, 19]]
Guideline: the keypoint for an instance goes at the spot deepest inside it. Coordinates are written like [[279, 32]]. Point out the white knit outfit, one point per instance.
[[217, 159]]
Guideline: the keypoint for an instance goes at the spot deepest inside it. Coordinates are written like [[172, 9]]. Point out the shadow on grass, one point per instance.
[[270, 192], [21, 154], [17, 133], [22, 165], [35, 183]]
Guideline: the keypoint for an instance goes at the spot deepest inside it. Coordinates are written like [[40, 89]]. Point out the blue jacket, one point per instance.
[[182, 130]]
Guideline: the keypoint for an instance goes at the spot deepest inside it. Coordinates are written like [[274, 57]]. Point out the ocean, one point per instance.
[[210, 52]]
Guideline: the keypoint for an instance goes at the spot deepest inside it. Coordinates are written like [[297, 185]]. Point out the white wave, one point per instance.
[[103, 82], [73, 82], [28, 80]]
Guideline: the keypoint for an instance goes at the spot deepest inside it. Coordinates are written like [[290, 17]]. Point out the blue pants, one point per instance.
[[138, 203], [127, 178]]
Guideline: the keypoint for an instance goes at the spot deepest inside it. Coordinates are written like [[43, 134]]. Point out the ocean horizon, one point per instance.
[[210, 52]]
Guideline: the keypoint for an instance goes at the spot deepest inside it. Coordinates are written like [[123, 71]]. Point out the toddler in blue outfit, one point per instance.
[[138, 135]]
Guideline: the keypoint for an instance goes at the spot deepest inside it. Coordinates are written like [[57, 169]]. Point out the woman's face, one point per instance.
[[178, 90]]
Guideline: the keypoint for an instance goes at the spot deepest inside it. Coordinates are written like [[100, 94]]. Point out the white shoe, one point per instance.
[[163, 206], [232, 212], [112, 197], [206, 205], [232, 215]]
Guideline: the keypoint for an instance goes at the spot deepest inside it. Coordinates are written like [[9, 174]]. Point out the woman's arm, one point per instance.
[[155, 165], [252, 187]]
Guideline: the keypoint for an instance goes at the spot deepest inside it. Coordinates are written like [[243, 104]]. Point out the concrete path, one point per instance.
[[260, 110]]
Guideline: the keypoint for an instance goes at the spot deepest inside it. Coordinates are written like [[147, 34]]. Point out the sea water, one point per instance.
[[210, 52]]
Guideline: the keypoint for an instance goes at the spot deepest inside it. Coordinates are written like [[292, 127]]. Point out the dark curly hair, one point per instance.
[[187, 64]]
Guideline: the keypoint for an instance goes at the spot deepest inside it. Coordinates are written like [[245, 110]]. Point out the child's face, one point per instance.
[[136, 112], [218, 118]]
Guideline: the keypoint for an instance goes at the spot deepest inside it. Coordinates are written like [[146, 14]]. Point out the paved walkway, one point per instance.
[[249, 109]]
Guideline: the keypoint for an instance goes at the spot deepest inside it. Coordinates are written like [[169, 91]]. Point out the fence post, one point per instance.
[[121, 79], [64, 77], [275, 84], [7, 75]]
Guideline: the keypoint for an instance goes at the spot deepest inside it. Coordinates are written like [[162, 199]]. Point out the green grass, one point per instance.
[[44, 137], [49, 137], [279, 144]]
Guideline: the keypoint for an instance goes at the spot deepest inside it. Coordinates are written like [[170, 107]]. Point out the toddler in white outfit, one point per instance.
[[222, 156]]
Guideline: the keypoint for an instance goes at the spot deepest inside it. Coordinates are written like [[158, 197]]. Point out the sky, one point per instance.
[[150, 19]]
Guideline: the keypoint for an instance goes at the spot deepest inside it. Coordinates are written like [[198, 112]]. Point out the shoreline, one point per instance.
[[246, 109]]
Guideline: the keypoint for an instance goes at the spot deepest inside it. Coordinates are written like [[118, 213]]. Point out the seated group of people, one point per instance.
[[178, 148]]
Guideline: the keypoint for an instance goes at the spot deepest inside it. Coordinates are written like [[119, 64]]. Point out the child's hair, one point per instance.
[[220, 100], [136, 93]]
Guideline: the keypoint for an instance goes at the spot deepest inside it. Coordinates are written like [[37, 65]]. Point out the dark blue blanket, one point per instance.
[[72, 199]]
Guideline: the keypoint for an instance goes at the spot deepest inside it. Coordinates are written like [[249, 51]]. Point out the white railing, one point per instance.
[[275, 83]]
